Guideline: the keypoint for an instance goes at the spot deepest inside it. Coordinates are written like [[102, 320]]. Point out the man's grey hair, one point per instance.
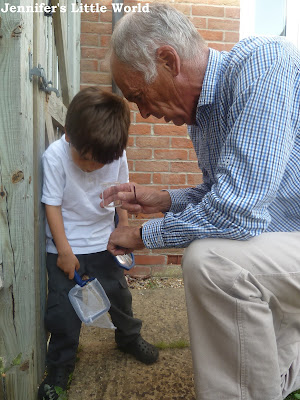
[[138, 35]]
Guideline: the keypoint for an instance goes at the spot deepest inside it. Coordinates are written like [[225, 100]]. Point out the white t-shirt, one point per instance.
[[87, 226]]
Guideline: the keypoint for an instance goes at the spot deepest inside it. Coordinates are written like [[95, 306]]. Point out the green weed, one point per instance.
[[294, 395], [178, 344]]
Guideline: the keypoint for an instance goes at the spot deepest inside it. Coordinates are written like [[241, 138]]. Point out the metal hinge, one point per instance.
[[40, 72]]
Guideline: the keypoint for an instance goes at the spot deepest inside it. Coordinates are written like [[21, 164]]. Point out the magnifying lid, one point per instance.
[[125, 261]]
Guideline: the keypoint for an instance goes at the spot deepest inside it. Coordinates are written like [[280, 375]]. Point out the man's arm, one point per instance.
[[66, 260]]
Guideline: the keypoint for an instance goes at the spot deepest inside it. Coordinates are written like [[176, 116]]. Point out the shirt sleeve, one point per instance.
[[248, 174], [53, 181]]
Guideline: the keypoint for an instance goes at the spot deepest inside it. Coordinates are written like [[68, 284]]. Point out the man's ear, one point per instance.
[[168, 58], [67, 137]]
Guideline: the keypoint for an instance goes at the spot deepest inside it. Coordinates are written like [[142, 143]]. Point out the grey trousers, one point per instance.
[[62, 321], [243, 302]]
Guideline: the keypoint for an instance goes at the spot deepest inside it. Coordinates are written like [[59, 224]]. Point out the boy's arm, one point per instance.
[[123, 217], [66, 260]]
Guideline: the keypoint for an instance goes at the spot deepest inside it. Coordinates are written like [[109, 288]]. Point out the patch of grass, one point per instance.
[[178, 344], [294, 395], [151, 284]]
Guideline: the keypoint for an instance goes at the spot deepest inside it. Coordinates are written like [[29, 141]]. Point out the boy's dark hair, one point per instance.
[[97, 122]]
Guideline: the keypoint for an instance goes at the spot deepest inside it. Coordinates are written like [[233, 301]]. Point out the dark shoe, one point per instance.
[[141, 350], [55, 384]]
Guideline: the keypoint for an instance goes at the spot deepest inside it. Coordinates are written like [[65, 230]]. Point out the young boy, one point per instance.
[[92, 150]]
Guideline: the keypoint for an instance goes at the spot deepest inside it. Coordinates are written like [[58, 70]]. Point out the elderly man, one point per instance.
[[241, 226]]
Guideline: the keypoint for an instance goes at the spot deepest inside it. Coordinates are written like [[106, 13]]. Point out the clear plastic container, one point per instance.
[[88, 299]]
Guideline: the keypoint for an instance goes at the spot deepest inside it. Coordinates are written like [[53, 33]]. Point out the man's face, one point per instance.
[[162, 98]]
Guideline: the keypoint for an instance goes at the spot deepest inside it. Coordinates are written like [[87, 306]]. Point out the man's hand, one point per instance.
[[138, 199], [125, 239], [68, 262]]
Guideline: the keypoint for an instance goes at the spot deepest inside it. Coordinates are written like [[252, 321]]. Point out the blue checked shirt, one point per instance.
[[247, 141]]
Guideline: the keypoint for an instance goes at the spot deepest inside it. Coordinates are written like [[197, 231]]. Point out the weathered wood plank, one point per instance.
[[57, 110], [73, 46], [17, 297], [40, 40], [59, 23]]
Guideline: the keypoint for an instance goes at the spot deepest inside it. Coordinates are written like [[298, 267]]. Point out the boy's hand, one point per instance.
[[68, 262]]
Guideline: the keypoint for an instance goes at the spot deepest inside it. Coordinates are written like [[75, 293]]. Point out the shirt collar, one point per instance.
[[210, 78]]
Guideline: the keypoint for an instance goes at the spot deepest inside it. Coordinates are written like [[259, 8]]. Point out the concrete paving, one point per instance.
[[104, 373]]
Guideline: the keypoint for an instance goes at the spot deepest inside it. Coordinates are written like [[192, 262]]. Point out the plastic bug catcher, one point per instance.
[[90, 302]]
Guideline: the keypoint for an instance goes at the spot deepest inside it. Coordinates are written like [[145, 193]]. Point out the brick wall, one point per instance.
[[159, 154]]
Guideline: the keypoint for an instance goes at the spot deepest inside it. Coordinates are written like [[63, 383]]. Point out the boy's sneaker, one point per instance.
[[55, 384], [141, 350]]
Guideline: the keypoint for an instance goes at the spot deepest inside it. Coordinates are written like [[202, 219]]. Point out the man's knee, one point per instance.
[[205, 264]]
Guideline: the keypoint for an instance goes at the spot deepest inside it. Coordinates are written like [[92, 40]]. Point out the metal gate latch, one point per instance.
[[44, 84]]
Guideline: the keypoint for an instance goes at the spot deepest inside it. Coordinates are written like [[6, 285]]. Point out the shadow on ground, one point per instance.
[[104, 373]]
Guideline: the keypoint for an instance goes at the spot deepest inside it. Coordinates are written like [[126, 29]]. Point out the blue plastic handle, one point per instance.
[[79, 281]]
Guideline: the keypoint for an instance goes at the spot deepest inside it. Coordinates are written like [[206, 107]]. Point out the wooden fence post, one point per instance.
[[19, 301]]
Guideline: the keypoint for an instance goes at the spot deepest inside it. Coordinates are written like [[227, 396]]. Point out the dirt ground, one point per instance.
[[104, 373]]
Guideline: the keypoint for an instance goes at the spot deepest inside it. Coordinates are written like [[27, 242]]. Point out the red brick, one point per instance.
[[95, 77], [133, 107], [150, 259], [153, 142], [184, 8], [169, 154], [89, 65], [174, 259], [91, 17], [199, 22], [188, 167], [208, 11], [103, 2], [95, 53], [223, 24], [181, 143], [140, 272], [139, 154], [192, 155], [232, 37], [170, 130], [130, 165], [104, 66], [169, 179], [95, 27], [89, 39], [104, 40], [140, 129], [130, 142], [211, 35], [140, 177], [225, 2], [194, 179], [232, 12], [150, 119], [152, 166], [106, 17]]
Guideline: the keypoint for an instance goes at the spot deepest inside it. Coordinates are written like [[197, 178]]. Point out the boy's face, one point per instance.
[[85, 163]]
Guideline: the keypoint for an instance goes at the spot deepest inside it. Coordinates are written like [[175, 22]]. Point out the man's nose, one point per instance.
[[143, 111]]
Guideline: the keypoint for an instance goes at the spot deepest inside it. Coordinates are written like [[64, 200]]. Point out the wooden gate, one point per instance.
[[35, 48]]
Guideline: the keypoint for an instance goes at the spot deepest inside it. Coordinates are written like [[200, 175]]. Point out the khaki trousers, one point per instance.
[[243, 302]]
